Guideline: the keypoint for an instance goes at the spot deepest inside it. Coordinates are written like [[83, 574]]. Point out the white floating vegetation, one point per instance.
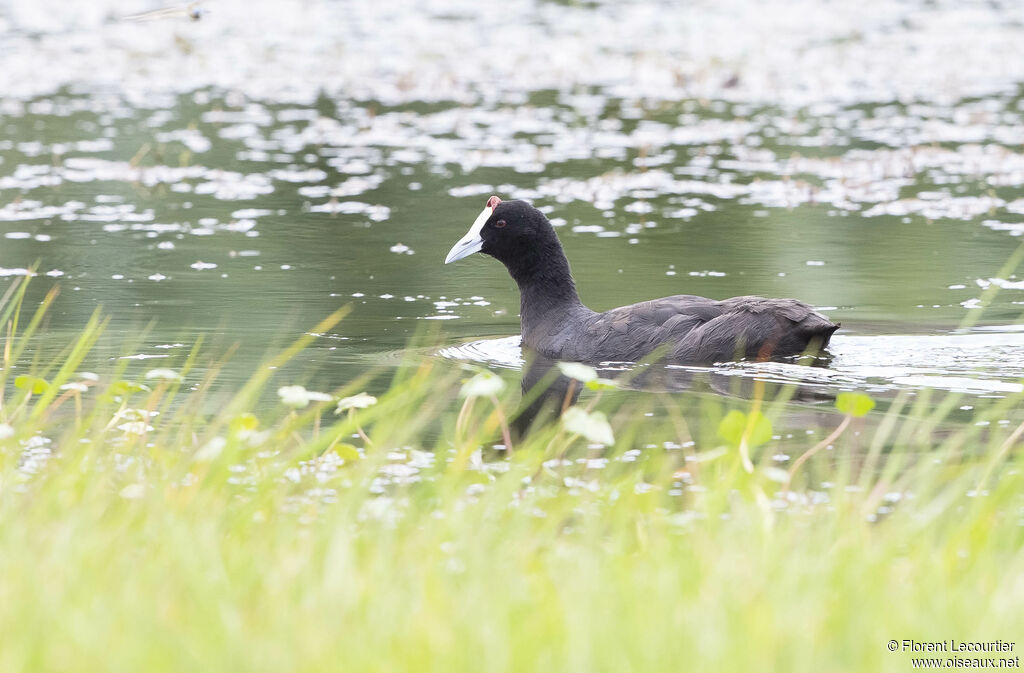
[[163, 375], [484, 384], [592, 425], [578, 371], [475, 189], [299, 398], [359, 401], [375, 213], [135, 427], [211, 450], [1001, 283]]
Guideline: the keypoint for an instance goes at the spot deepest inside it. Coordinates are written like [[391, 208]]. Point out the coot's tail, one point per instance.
[[817, 335], [810, 336], [826, 334]]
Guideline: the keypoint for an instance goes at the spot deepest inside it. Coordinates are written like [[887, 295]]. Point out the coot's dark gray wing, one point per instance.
[[633, 332], [700, 330], [755, 327]]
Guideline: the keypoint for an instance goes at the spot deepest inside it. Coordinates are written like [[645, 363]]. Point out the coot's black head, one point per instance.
[[513, 232]]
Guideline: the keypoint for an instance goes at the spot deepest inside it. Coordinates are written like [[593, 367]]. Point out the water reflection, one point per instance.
[[546, 394], [547, 391], [987, 361]]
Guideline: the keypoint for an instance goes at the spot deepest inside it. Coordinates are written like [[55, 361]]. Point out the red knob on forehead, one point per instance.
[[493, 202]]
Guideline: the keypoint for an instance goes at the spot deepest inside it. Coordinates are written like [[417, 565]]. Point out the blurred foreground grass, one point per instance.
[[142, 531]]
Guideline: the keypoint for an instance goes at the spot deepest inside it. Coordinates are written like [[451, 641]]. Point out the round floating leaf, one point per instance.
[[578, 371], [593, 425], [854, 404], [347, 452], [484, 384], [601, 384], [734, 425], [245, 423], [122, 388], [360, 401], [34, 384]]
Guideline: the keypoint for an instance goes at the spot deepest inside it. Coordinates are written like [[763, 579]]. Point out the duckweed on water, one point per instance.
[[338, 505], [181, 169], [147, 529]]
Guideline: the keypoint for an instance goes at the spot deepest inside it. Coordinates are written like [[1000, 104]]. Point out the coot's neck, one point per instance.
[[546, 288]]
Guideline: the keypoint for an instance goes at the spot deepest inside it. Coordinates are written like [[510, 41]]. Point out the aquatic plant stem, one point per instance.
[[570, 392], [506, 434], [359, 429], [460, 421], [755, 410], [840, 429]]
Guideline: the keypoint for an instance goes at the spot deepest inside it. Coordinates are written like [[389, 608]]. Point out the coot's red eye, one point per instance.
[[499, 224]]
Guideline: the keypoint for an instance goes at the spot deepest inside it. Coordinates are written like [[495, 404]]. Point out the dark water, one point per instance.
[[242, 176]]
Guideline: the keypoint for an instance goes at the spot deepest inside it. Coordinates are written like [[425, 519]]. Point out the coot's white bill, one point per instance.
[[471, 242]]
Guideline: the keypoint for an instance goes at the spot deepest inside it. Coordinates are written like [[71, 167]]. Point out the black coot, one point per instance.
[[690, 329]]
